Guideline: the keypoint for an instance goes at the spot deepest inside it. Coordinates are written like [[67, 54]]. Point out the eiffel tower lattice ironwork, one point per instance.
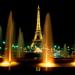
[[38, 34]]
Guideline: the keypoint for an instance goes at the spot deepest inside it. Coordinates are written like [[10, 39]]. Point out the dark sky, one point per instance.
[[24, 13]]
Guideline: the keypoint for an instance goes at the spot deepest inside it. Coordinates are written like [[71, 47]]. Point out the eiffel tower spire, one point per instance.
[[38, 34]]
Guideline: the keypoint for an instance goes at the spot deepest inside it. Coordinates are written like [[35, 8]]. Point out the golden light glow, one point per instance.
[[38, 50], [8, 64], [72, 63], [47, 64], [1, 56], [47, 61]]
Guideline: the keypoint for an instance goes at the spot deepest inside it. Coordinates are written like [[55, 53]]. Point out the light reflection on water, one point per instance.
[[45, 68]]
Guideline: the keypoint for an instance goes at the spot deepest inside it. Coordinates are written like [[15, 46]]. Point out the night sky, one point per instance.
[[24, 14]]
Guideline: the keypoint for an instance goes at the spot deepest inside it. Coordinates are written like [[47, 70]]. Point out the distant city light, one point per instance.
[[29, 49], [3, 42], [68, 47], [58, 47], [55, 46], [13, 45], [72, 48], [0, 48], [16, 46], [38, 50], [28, 46]]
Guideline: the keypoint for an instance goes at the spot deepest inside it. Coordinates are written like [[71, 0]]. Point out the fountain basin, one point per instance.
[[7, 63]]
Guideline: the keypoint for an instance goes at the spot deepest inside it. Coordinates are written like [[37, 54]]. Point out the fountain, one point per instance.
[[8, 59], [73, 62], [66, 54], [20, 50], [47, 44]]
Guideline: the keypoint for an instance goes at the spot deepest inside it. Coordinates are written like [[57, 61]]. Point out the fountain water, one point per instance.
[[20, 50], [8, 55], [73, 62], [66, 54], [47, 45]]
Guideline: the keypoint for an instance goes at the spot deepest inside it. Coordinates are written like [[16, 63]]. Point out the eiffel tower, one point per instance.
[[38, 34]]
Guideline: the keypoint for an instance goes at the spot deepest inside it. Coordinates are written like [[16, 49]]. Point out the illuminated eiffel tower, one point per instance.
[[38, 34]]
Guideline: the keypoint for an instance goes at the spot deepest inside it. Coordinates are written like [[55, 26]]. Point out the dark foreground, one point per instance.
[[28, 67]]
